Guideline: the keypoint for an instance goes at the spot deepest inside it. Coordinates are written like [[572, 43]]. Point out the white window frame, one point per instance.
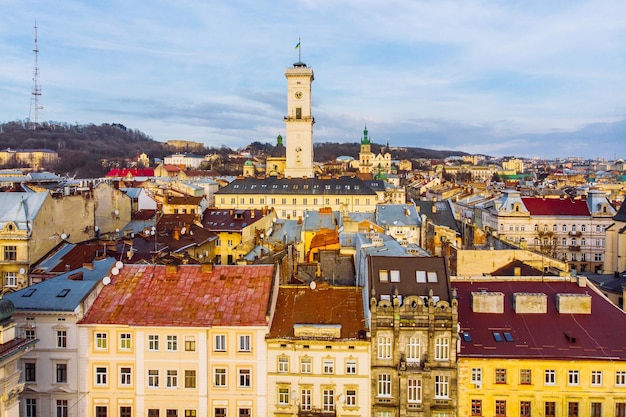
[[328, 399], [219, 343], [413, 349], [219, 377], [101, 341], [153, 342], [442, 349], [283, 396], [328, 366], [306, 365], [351, 367], [283, 364], [384, 385], [245, 343], [351, 397], [549, 377], [442, 386], [126, 377], [10, 279], [573, 377], [384, 347], [172, 343], [244, 378], [596, 378], [306, 399], [126, 341], [101, 376], [153, 378], [171, 380], [61, 339], [414, 390], [477, 376]]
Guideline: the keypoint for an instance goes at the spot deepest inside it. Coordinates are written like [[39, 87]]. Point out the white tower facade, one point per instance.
[[299, 122]]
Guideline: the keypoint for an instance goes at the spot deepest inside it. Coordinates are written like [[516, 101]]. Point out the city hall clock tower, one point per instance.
[[299, 122]]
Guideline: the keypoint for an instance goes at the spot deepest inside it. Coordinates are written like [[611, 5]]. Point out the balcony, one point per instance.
[[316, 412], [575, 233], [574, 248]]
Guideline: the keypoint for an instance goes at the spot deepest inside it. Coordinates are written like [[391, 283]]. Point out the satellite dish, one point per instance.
[[106, 280], [119, 264], [63, 236], [115, 271], [183, 230], [22, 271], [96, 228], [313, 285], [117, 212]]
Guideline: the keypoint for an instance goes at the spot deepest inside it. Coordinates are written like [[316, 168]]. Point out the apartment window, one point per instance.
[[190, 378], [125, 376], [525, 376], [414, 390], [384, 347], [350, 398], [620, 409], [190, 343], [220, 412], [153, 342], [30, 334], [597, 257], [153, 412], [596, 378], [500, 376], [306, 365], [244, 343], [61, 408], [477, 375], [394, 275], [524, 408], [384, 385], [620, 378], [125, 341], [413, 349], [219, 343], [245, 378], [153, 378], [30, 372], [245, 412], [564, 228], [305, 399], [101, 411], [172, 343], [126, 411], [219, 377], [283, 364], [573, 377], [61, 373], [101, 341], [549, 377], [101, 375], [172, 378], [10, 253], [383, 275], [329, 366], [442, 386], [31, 407], [442, 349], [328, 400], [572, 409], [10, 279], [351, 367], [549, 409], [283, 396], [596, 409], [500, 408], [477, 407]]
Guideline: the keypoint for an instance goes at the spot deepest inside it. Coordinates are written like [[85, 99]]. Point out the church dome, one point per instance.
[[279, 150], [7, 308], [365, 140], [248, 163]]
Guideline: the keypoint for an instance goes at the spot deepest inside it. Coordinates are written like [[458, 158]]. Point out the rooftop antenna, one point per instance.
[[36, 92]]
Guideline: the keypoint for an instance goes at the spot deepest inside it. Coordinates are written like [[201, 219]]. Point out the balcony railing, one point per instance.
[[316, 412], [574, 248]]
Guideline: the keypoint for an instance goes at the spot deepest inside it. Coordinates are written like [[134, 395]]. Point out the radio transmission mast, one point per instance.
[[35, 106]]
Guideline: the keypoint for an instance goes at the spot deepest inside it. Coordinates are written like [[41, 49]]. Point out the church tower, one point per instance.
[[299, 122], [366, 155]]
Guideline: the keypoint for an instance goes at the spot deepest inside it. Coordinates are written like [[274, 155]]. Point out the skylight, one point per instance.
[[498, 336], [508, 337], [467, 337], [29, 292], [63, 292]]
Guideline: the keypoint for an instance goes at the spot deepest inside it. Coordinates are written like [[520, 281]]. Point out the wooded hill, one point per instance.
[[89, 151]]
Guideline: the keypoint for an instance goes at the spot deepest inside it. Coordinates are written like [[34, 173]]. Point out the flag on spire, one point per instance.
[[297, 45]]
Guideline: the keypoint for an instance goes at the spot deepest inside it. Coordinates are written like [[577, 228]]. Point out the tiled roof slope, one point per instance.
[[323, 305], [599, 335], [186, 296], [308, 186], [556, 207]]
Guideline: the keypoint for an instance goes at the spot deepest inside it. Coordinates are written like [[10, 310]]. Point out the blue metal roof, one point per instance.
[[61, 293]]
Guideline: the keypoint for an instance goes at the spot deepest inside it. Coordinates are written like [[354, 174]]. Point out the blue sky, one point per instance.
[[525, 78]]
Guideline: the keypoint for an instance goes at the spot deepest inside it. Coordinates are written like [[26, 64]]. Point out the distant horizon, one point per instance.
[[530, 79]]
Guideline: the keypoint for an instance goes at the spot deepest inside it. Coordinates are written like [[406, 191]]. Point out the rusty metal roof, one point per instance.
[[185, 296], [324, 305]]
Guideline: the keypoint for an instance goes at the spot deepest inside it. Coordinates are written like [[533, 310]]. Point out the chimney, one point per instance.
[[434, 209], [517, 271], [176, 233], [171, 269], [207, 268]]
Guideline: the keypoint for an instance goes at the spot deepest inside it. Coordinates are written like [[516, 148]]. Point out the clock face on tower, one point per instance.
[[298, 94]]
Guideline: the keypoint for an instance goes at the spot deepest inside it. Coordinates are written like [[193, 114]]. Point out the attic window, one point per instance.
[[498, 337], [29, 292], [394, 275], [236, 186], [432, 276], [383, 275], [420, 276], [63, 292]]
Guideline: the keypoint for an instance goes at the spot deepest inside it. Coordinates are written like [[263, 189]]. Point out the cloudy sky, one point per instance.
[[525, 78]]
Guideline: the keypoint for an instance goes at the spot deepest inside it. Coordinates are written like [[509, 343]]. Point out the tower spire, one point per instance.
[[33, 116]]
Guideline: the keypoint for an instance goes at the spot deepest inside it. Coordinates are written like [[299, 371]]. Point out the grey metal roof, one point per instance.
[[61, 293], [304, 186], [397, 215], [314, 220], [20, 208]]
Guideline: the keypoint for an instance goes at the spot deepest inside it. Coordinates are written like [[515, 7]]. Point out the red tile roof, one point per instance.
[[324, 305], [131, 172], [191, 295], [599, 335], [555, 207]]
